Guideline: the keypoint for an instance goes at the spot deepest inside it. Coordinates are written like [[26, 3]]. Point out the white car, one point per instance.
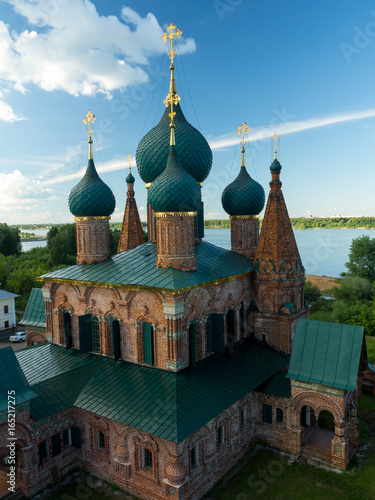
[[18, 337]]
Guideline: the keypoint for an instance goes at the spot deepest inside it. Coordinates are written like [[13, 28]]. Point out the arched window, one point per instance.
[[68, 330], [193, 344], [148, 344], [231, 328], [114, 342]]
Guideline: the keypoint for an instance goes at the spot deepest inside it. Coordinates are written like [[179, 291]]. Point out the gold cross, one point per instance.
[[275, 137], [243, 129], [89, 119], [130, 167], [170, 36], [172, 98]]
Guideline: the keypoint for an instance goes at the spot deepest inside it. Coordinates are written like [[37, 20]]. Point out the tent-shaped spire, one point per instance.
[[277, 255], [131, 232]]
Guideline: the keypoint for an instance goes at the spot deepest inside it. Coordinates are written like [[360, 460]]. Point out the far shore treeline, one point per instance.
[[297, 223]]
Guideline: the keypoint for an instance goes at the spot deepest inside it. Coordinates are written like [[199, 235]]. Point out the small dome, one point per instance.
[[174, 190], [275, 166], [91, 197], [130, 179], [194, 153], [243, 196]]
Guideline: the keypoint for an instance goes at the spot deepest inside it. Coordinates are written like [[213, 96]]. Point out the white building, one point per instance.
[[7, 309]]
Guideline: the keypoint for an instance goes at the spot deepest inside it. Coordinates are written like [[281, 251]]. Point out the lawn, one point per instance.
[[268, 476]]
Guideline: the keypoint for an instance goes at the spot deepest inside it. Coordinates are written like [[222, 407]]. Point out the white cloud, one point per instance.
[[7, 114], [19, 193], [74, 49], [291, 127]]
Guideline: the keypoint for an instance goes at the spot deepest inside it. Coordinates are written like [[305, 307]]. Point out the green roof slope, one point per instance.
[[175, 405], [35, 312], [138, 267], [169, 405], [326, 353], [12, 379], [278, 386], [44, 361], [60, 392]]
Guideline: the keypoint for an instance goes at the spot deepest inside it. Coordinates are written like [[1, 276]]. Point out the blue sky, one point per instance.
[[304, 70]]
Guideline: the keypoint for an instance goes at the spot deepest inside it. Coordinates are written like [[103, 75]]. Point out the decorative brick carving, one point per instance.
[[92, 235], [244, 234]]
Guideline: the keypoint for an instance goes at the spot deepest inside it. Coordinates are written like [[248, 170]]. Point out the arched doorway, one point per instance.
[[326, 420], [68, 330]]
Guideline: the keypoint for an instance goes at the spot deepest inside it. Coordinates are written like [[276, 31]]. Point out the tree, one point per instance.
[[62, 246], [312, 292], [362, 258], [353, 289], [10, 241]]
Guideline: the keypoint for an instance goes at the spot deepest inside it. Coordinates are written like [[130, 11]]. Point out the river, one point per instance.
[[323, 251]]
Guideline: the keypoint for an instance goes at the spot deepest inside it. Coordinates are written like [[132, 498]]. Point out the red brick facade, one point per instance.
[[92, 239], [175, 240], [244, 234]]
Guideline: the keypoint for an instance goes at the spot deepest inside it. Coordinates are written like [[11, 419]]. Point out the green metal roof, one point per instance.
[[58, 393], [165, 404], [278, 386], [194, 153], [12, 379], [174, 190], [91, 196], [44, 361], [137, 267], [35, 312], [243, 196], [326, 353]]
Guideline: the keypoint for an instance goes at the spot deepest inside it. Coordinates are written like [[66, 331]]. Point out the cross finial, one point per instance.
[[89, 119], [172, 34], [275, 137], [243, 129], [130, 167]]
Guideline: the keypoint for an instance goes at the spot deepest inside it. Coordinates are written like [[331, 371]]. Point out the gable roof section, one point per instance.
[[7, 295], [137, 268], [169, 405], [35, 312], [326, 353], [278, 386], [12, 379]]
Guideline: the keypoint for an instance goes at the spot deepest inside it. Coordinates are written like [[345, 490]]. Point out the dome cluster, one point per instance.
[[194, 153], [91, 197]]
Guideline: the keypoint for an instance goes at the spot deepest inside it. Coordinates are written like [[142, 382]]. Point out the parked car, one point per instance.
[[18, 337]]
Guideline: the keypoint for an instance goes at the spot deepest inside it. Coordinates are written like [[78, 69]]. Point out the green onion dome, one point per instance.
[[243, 196], [194, 153], [91, 197], [275, 166], [174, 190], [130, 179]]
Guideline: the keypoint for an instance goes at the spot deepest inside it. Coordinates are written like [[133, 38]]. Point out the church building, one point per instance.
[[157, 368]]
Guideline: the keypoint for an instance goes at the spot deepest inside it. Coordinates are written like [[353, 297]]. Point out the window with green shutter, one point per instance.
[[208, 336], [267, 414], [148, 344], [95, 334]]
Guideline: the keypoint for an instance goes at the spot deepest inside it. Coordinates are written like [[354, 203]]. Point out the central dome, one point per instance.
[[194, 153], [174, 190]]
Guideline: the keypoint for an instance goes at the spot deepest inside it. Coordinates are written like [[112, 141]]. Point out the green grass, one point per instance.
[[269, 477], [370, 344], [322, 316]]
